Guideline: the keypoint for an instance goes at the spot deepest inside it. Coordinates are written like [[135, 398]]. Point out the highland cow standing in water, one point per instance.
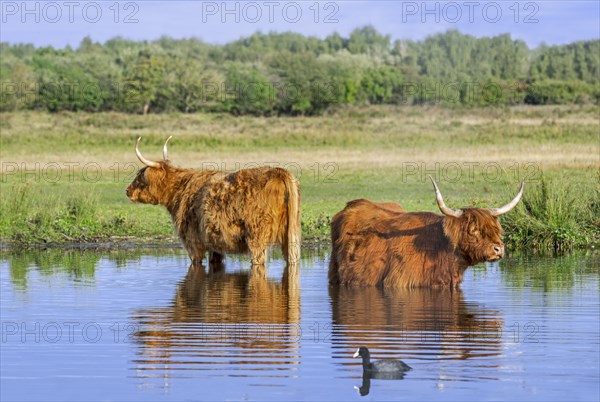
[[219, 212], [378, 244]]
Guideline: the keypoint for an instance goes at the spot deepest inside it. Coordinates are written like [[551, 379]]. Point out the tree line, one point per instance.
[[292, 74]]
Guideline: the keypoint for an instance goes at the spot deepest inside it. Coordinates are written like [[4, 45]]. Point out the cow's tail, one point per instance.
[[293, 235]]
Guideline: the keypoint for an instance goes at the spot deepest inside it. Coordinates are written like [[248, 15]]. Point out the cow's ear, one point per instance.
[[473, 228], [143, 177]]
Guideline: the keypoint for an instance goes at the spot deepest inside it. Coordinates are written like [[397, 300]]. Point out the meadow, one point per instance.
[[64, 174]]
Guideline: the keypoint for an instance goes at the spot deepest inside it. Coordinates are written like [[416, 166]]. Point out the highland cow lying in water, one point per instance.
[[379, 244], [220, 212]]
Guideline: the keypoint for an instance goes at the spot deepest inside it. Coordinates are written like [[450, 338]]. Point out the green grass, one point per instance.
[[380, 153], [69, 215], [555, 217]]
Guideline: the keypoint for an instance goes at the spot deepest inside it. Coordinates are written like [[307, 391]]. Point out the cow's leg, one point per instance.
[[258, 272], [196, 253], [258, 252], [216, 267], [215, 257], [285, 250], [215, 262]]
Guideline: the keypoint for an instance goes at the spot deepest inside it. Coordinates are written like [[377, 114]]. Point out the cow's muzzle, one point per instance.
[[498, 252]]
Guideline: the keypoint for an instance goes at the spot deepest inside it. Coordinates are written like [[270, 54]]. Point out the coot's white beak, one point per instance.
[[356, 354]]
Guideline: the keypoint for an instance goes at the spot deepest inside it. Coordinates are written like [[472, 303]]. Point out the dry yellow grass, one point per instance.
[[370, 137]]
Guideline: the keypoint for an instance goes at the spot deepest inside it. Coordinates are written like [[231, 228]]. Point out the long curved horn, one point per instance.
[[441, 205], [510, 205], [165, 155], [142, 159]]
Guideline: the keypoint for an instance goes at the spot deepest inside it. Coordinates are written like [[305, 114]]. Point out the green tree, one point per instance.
[[382, 84], [143, 82], [247, 91], [290, 73]]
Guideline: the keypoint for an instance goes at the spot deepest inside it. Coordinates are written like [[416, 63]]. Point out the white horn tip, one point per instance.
[[433, 182], [506, 208], [165, 153]]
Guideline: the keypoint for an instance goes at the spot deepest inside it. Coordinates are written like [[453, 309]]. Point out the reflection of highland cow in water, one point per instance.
[[217, 311], [425, 321], [240, 297]]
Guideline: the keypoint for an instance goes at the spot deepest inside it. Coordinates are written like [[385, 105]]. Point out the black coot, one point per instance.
[[383, 367]]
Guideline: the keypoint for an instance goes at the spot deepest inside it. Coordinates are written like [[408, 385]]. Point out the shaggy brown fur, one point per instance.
[[220, 212], [375, 245]]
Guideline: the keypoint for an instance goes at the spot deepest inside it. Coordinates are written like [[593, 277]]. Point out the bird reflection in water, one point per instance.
[[365, 387], [222, 321]]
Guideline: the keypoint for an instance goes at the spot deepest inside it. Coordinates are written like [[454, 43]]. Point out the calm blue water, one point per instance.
[[140, 325]]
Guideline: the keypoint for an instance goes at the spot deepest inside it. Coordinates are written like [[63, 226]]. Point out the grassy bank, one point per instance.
[[64, 174]]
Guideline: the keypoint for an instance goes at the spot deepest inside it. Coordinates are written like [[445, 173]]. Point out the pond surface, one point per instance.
[[142, 325]]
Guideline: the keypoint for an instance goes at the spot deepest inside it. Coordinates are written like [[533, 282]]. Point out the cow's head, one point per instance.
[[476, 232], [150, 183]]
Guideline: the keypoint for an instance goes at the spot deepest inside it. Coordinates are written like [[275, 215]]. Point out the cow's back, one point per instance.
[[353, 238]]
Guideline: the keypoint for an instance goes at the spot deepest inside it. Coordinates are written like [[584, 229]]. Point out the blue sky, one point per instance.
[[61, 23]]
